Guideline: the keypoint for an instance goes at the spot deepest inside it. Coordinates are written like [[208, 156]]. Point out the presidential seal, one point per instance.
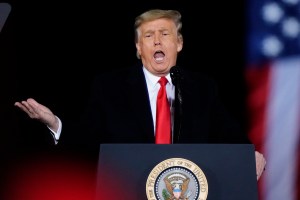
[[176, 179]]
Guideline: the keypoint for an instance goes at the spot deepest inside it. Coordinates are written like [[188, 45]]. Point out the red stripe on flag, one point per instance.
[[257, 79]]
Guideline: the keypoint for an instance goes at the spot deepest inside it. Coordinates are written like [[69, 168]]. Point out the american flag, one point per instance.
[[273, 80]]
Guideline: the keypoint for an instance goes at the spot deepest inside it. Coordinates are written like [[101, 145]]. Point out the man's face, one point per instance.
[[158, 45]]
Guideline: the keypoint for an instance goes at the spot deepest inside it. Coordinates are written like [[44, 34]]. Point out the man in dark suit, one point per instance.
[[122, 107]]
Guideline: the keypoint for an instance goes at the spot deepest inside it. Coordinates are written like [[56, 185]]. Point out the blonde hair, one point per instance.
[[154, 14]]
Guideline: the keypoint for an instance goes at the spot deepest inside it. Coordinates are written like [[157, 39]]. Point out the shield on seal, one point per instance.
[[177, 193]]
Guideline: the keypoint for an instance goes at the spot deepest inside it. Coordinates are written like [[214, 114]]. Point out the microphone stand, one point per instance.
[[177, 78]]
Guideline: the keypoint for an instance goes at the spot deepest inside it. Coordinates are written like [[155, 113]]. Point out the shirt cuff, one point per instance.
[[56, 135]]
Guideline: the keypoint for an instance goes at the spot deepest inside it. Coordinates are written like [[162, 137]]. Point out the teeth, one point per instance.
[[159, 59]]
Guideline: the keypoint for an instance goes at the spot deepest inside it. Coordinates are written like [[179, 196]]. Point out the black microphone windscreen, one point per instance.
[[175, 74]]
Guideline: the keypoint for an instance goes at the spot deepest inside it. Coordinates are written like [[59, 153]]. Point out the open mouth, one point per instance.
[[159, 56]]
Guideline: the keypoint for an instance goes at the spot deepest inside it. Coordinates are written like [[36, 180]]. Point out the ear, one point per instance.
[[179, 44], [138, 48]]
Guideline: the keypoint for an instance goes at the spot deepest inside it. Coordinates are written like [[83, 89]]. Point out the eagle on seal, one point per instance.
[[177, 189]]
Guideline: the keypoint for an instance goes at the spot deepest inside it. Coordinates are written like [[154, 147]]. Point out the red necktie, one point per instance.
[[163, 115]]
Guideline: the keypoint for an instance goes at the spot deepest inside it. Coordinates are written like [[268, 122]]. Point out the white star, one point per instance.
[[271, 46], [291, 27], [272, 12], [291, 2]]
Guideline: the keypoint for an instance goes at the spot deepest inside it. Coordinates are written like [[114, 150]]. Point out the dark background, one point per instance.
[[51, 50]]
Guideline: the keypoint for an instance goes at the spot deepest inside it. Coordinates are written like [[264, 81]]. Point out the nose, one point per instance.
[[157, 40]]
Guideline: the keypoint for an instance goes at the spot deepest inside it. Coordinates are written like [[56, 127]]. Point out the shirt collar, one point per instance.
[[152, 79]]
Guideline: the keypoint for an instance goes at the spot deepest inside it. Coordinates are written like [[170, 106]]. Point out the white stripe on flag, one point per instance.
[[282, 130]]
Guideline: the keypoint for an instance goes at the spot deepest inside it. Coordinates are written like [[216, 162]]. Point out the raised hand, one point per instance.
[[39, 112]]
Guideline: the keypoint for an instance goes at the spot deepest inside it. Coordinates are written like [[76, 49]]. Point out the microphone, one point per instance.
[[177, 78]]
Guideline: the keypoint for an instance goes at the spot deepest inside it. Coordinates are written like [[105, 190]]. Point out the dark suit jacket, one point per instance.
[[119, 112]]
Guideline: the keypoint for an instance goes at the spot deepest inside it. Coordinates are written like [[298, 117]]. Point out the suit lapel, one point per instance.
[[138, 99], [183, 124]]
